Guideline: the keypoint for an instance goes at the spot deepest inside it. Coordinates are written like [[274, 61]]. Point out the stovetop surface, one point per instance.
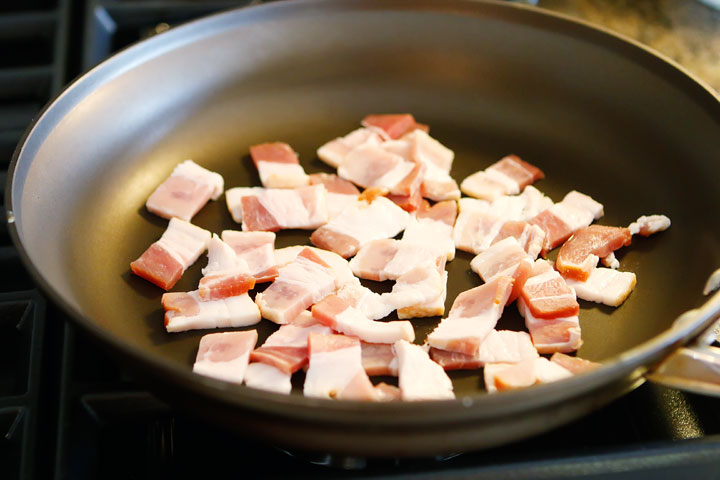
[[68, 411]]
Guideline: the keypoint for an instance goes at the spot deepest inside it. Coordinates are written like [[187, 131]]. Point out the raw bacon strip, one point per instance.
[[185, 191], [225, 355], [275, 209], [278, 165], [340, 266], [581, 253], [339, 315], [266, 377], [379, 359], [418, 376], [360, 224], [164, 262], [301, 283], [604, 285], [548, 296], [388, 259], [257, 249], [508, 176], [395, 125], [225, 275], [234, 196], [187, 311], [333, 153], [573, 364], [501, 376], [648, 225], [504, 258], [500, 346], [560, 334], [472, 317], [336, 369], [433, 226]]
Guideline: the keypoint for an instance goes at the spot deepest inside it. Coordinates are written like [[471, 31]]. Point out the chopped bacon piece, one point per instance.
[[360, 224], [185, 191], [505, 257], [187, 311], [164, 262], [373, 166], [266, 377], [507, 176], [341, 193], [472, 317], [530, 237], [519, 170], [420, 292], [604, 285], [548, 296], [419, 147], [648, 225], [433, 226], [409, 203], [395, 125], [573, 364], [500, 346], [379, 359], [430, 308], [274, 209], [503, 376], [257, 249], [340, 266], [333, 153], [336, 369], [388, 259], [225, 355], [278, 165], [371, 304], [560, 334], [580, 254], [299, 284], [226, 275], [418, 376], [233, 198], [339, 315]]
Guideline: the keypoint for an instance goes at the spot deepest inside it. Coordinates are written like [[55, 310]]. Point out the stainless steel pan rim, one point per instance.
[[637, 360]]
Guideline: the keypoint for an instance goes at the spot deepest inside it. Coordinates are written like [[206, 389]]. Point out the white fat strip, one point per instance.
[[352, 322], [233, 197], [457, 328], [511, 186], [508, 207], [332, 371], [421, 284], [575, 218], [419, 377], [505, 346], [611, 261], [432, 233], [470, 205], [340, 267], [480, 185], [231, 371], [535, 202], [238, 311], [184, 241], [650, 223], [409, 255], [282, 175], [222, 257], [584, 202], [371, 304], [541, 278], [366, 222], [605, 285], [290, 335], [196, 173], [337, 202], [288, 209], [262, 376], [481, 243]]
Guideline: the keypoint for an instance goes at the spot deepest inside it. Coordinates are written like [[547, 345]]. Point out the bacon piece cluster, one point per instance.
[[507, 176]]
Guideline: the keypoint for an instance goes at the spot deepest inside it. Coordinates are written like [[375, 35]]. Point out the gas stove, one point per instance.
[[67, 410]]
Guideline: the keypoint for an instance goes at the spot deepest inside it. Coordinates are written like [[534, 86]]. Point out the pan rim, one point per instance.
[[475, 407]]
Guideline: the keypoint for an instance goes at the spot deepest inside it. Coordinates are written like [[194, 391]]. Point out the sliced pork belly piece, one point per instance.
[[574, 365], [187, 311], [508, 176], [395, 125], [341, 193], [420, 292], [504, 258], [225, 355], [379, 359], [431, 308], [185, 191], [500, 346], [581, 253], [341, 316], [648, 225], [164, 262], [374, 166], [418, 376], [233, 198], [524, 374], [333, 153], [225, 275], [299, 284], [266, 377], [530, 237], [336, 369], [257, 250], [560, 334], [278, 165], [472, 317], [360, 224], [548, 296], [437, 184], [277, 208], [604, 285], [388, 259], [340, 266], [433, 226]]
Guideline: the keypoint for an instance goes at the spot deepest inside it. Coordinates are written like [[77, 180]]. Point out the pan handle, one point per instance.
[[695, 367]]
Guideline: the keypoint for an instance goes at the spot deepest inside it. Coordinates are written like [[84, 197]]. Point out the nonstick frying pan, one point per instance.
[[596, 112]]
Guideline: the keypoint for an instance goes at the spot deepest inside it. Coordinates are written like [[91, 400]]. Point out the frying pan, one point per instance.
[[596, 112]]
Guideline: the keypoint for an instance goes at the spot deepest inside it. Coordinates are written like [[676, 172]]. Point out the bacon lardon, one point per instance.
[[558, 334], [233, 199], [262, 376], [340, 193], [388, 259], [472, 317], [581, 253], [500, 346], [548, 296], [503, 376], [299, 284], [419, 377], [394, 125], [164, 262], [604, 285], [185, 191], [433, 226], [225, 355], [339, 266], [187, 311], [257, 250], [333, 153], [360, 224], [574, 365], [274, 209], [225, 275], [278, 165], [505, 257], [649, 224], [507, 176], [379, 359], [437, 184], [336, 369], [420, 292]]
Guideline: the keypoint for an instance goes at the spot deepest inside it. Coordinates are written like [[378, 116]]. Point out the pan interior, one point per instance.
[[588, 114]]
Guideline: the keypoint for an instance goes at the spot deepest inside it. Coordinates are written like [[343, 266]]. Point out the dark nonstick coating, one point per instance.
[[597, 114]]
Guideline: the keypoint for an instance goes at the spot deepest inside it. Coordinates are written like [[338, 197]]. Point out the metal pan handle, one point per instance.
[[695, 367]]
